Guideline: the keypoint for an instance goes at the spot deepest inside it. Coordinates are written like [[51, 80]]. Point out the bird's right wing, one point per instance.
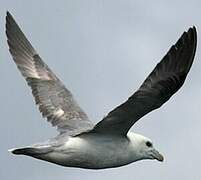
[[56, 103], [165, 80]]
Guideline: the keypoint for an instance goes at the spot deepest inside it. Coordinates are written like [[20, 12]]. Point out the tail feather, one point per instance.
[[30, 151]]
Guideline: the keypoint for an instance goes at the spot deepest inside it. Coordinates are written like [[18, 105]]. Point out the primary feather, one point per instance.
[[56, 103], [165, 80]]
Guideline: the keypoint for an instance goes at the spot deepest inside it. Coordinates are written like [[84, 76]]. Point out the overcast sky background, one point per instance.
[[102, 50]]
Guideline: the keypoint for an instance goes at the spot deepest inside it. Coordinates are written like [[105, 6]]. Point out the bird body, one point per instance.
[[93, 151], [109, 143]]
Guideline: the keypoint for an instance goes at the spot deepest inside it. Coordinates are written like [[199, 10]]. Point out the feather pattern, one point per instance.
[[56, 103], [165, 80]]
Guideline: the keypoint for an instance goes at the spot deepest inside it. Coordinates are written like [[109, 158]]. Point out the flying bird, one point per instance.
[[109, 143]]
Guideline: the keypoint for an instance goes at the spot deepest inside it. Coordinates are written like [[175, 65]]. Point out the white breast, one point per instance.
[[94, 152]]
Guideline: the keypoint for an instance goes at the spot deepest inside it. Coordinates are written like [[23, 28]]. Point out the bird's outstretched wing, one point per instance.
[[166, 78], [56, 103]]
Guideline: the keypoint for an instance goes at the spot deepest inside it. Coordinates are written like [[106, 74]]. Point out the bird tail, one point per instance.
[[29, 151]]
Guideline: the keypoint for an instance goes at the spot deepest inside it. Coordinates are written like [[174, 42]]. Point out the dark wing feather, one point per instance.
[[166, 78], [55, 102]]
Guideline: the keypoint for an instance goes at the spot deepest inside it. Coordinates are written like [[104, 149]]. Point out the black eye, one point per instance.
[[148, 144]]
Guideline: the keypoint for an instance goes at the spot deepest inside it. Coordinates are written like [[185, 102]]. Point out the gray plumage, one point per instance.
[[108, 143], [56, 103]]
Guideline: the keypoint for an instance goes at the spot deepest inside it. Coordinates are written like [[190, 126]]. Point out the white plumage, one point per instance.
[[108, 143]]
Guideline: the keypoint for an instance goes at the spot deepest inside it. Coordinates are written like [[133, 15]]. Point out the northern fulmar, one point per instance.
[[109, 143]]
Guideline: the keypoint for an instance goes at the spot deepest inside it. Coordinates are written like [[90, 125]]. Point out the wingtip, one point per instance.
[[193, 29], [8, 14], [9, 18], [193, 34]]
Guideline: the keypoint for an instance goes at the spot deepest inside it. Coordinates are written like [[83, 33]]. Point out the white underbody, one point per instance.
[[96, 151]]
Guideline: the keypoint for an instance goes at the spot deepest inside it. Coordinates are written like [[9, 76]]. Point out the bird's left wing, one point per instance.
[[166, 78], [56, 103]]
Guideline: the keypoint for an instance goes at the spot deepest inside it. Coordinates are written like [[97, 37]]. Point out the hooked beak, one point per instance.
[[157, 155]]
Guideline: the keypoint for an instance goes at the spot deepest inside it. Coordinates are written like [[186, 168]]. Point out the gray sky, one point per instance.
[[102, 50]]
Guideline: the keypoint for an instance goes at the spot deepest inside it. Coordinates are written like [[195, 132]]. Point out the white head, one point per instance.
[[143, 148]]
